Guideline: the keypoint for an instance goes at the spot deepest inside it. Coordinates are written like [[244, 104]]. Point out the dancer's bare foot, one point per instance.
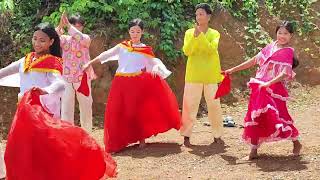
[[218, 141], [253, 155], [142, 144], [186, 142], [297, 146]]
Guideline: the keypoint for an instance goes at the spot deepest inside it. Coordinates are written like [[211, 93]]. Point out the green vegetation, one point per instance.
[[166, 20]]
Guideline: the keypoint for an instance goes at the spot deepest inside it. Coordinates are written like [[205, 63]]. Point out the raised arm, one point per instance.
[[109, 55], [80, 37], [10, 69], [245, 65]]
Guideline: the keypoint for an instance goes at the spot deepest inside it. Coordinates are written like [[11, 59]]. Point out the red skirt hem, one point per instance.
[[137, 108], [42, 147]]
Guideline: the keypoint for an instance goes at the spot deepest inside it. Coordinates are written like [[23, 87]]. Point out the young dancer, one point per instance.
[[203, 73], [268, 118], [39, 145], [140, 103], [75, 53]]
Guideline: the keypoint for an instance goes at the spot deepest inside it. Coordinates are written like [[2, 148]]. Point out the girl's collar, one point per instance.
[[273, 50]]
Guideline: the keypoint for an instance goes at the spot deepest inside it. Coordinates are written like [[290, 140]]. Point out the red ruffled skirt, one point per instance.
[[40, 147], [138, 107], [268, 118]]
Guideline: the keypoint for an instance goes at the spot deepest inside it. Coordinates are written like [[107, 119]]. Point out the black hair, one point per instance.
[[55, 48], [295, 62], [289, 26], [204, 6], [76, 19], [136, 22], [286, 24]]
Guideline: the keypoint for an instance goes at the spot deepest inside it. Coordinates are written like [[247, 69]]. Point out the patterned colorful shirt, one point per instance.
[[75, 53]]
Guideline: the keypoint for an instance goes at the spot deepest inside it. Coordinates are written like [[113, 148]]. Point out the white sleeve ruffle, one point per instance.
[[158, 67]]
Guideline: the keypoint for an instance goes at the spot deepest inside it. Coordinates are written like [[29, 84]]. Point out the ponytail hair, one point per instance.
[[55, 48], [295, 62]]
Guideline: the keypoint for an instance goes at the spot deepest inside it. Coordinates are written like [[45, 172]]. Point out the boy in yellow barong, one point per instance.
[[203, 73]]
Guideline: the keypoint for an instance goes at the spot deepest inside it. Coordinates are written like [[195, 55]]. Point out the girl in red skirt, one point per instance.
[[268, 118], [140, 103], [41, 146]]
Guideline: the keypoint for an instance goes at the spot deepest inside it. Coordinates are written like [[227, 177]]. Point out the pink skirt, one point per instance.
[[268, 118]]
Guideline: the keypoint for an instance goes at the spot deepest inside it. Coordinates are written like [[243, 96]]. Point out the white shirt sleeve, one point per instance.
[[156, 65], [57, 83], [10, 69], [110, 55]]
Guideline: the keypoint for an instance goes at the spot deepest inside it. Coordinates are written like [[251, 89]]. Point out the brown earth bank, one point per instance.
[[232, 51], [165, 158]]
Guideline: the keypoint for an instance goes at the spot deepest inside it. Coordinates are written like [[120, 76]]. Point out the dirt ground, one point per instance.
[[165, 157]]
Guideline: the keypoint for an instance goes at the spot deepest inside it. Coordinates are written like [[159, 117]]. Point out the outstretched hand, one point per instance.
[[154, 71], [228, 71], [264, 85], [64, 20], [86, 66]]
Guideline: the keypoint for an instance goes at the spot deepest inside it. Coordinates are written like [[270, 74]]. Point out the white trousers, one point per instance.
[[85, 105], [191, 100], [2, 164]]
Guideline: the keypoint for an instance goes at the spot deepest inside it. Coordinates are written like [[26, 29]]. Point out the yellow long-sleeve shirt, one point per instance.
[[203, 65]]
